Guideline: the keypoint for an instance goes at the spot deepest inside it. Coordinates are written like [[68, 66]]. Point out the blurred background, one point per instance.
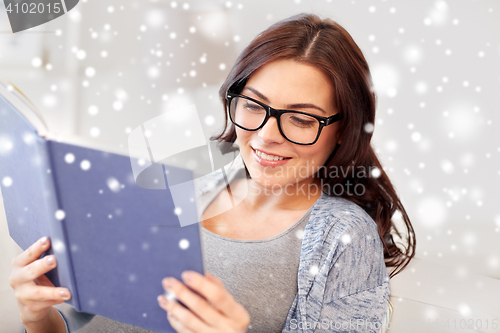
[[108, 66]]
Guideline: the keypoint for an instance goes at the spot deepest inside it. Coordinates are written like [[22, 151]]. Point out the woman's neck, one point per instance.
[[298, 196]]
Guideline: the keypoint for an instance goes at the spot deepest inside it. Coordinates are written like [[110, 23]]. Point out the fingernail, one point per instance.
[[167, 283], [43, 240], [50, 260], [188, 276], [64, 294]]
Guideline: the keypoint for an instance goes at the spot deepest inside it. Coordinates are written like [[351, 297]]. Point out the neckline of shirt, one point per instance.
[[285, 232]]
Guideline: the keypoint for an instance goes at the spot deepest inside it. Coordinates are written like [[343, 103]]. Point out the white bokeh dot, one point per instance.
[[113, 184], [314, 270], [6, 145], [299, 234], [85, 165], [464, 309], [391, 92], [346, 238], [95, 132], [431, 212], [36, 62], [421, 87], [209, 120], [69, 158], [153, 72], [447, 166], [81, 54], [49, 100], [117, 105], [184, 244], [413, 54], [58, 246], [368, 128], [375, 172], [93, 110], [90, 72], [7, 181], [60, 214]]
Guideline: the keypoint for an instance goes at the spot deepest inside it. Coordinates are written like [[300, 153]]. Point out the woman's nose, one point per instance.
[[270, 131]]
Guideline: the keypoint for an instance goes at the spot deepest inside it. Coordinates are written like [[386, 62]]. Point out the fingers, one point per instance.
[[194, 302], [35, 269], [214, 278], [40, 297], [176, 324], [43, 280], [32, 253], [182, 319], [214, 291]]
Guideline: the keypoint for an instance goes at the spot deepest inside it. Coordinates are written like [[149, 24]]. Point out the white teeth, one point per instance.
[[268, 157]]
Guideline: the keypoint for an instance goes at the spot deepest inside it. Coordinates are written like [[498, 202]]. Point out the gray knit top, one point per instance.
[[260, 274]]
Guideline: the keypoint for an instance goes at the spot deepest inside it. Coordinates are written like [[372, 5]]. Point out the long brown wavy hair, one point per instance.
[[325, 44]]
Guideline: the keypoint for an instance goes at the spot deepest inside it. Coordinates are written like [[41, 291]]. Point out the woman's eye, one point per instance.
[[253, 106], [302, 122]]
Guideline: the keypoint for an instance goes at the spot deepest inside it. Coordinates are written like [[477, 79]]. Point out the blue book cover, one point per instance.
[[114, 240]]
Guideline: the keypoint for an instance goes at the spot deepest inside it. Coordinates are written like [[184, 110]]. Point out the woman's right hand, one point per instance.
[[34, 292]]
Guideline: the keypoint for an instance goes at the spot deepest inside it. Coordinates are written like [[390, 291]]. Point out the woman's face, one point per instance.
[[290, 85]]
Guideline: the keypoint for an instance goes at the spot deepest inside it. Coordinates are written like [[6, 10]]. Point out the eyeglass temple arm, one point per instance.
[[332, 119]]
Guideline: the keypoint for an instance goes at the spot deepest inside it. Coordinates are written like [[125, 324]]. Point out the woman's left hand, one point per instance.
[[214, 310]]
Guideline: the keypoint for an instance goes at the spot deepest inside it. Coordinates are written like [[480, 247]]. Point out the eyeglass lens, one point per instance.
[[296, 127]]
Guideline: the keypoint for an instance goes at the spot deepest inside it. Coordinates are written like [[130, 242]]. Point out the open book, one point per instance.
[[118, 221]]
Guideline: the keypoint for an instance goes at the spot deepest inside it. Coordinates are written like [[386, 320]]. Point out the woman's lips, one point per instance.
[[262, 151], [269, 163]]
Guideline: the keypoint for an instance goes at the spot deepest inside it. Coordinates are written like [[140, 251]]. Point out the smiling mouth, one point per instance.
[[269, 157]]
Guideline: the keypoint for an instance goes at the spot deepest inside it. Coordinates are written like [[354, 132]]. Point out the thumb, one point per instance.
[[213, 278]]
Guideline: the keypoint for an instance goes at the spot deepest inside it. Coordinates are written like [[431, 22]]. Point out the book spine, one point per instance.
[[62, 275]]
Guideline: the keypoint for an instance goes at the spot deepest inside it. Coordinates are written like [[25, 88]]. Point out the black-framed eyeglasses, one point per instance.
[[296, 126]]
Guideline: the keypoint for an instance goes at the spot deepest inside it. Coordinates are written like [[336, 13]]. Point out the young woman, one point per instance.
[[307, 246]]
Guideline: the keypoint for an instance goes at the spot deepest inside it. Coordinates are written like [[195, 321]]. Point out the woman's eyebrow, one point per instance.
[[305, 106], [288, 106], [258, 93]]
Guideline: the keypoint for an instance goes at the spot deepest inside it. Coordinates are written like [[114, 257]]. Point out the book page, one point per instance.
[[20, 102], [27, 109]]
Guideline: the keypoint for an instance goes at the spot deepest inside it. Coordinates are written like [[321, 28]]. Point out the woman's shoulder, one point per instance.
[[338, 216], [332, 207], [342, 239]]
